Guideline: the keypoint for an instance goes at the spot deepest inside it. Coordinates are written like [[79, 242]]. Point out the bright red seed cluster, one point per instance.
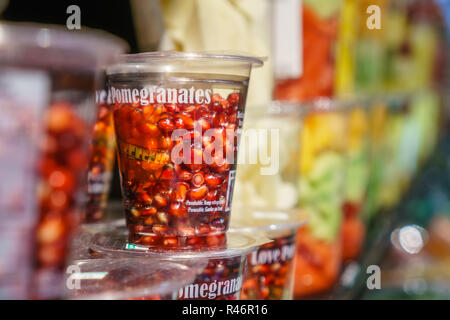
[[63, 162], [217, 271], [159, 191], [271, 280], [101, 165]]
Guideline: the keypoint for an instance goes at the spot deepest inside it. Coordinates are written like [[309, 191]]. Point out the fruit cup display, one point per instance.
[[177, 120], [270, 270], [221, 266], [268, 158], [356, 180], [101, 163], [320, 22], [127, 279], [60, 78], [323, 150]]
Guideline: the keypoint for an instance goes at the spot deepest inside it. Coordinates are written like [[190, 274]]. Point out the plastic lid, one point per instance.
[[127, 278], [115, 241], [183, 62], [262, 219], [20, 42]]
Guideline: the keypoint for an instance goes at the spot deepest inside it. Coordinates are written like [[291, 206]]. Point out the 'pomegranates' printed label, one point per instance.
[[211, 290], [275, 255], [155, 94]]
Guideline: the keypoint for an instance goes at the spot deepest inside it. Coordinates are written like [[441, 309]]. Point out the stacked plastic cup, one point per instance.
[[48, 77], [177, 120], [270, 270]]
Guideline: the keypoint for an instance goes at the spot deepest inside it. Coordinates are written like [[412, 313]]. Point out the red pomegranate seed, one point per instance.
[[166, 125], [213, 180], [178, 209], [187, 232], [160, 229], [212, 195], [185, 176], [202, 229], [168, 173], [192, 241], [147, 240], [205, 124], [184, 121], [170, 242], [165, 142], [198, 179], [163, 218], [149, 221], [148, 211], [160, 200], [181, 189], [198, 193], [233, 98], [144, 199], [216, 98]]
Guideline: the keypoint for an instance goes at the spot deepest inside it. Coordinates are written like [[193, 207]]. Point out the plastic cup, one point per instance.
[[221, 276], [323, 156], [357, 171], [267, 173], [177, 119], [126, 279], [270, 270], [101, 163], [48, 76]]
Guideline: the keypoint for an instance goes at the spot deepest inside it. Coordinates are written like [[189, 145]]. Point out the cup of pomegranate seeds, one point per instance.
[[270, 269], [127, 279], [221, 265], [101, 162], [178, 118], [47, 75]]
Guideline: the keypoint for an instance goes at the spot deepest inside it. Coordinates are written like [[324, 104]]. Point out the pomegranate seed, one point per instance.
[[218, 224], [213, 180], [148, 211], [163, 218], [202, 229], [146, 240], [184, 121], [149, 129], [170, 242], [198, 193], [205, 124], [181, 189], [144, 199], [185, 176], [165, 142], [187, 232], [160, 200], [160, 229], [166, 125], [178, 209], [212, 195], [149, 221], [168, 173], [233, 98], [198, 179]]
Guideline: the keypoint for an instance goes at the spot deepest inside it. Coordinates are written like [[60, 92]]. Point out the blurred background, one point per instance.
[[387, 62]]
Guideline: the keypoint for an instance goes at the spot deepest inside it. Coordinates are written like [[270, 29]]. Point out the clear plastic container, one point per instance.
[[126, 279], [357, 173], [101, 162], [270, 270], [222, 275], [48, 76], [323, 156], [267, 172], [177, 119]]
